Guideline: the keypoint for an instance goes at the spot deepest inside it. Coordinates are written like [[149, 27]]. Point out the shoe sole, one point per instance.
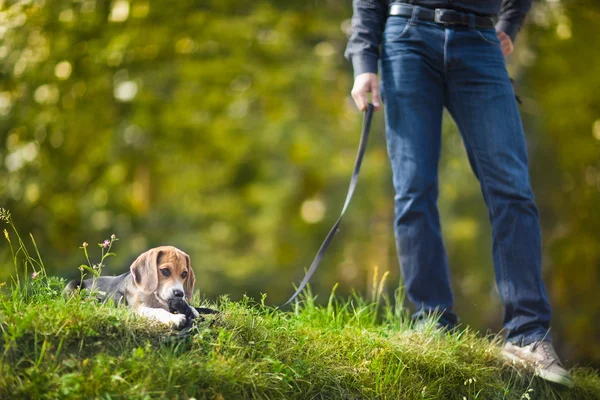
[[556, 378], [545, 375]]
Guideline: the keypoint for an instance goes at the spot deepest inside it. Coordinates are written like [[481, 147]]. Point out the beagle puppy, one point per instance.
[[155, 278]]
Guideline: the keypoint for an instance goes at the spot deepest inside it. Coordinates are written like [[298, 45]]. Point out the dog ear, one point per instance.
[[190, 281], [145, 271]]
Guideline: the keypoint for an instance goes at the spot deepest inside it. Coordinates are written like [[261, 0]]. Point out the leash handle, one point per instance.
[[364, 137]]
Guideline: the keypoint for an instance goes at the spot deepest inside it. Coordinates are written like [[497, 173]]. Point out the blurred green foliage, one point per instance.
[[225, 128], [563, 76]]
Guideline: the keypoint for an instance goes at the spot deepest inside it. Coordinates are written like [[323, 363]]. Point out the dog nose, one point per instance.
[[177, 293]]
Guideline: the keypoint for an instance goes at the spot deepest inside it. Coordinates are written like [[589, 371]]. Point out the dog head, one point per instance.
[[165, 271]]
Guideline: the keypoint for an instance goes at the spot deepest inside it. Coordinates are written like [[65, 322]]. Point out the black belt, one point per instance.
[[441, 15]]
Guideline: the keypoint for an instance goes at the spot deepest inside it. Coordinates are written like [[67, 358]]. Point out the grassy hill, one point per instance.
[[75, 348], [57, 348]]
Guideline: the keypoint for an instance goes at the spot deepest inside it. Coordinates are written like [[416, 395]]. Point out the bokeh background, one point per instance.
[[226, 128]]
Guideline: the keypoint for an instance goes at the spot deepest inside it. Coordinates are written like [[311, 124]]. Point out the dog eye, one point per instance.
[[184, 275], [165, 272]]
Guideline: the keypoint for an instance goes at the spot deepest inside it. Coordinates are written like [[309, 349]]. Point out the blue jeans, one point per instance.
[[425, 67]]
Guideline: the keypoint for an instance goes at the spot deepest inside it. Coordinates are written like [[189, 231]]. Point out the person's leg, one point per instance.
[[480, 97], [412, 88]]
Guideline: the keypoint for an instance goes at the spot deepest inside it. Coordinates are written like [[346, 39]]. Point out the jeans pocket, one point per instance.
[[396, 28], [488, 36]]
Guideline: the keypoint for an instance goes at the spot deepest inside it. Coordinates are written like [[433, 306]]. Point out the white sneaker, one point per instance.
[[542, 357]]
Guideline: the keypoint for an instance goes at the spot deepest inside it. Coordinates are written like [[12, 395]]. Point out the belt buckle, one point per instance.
[[439, 15]]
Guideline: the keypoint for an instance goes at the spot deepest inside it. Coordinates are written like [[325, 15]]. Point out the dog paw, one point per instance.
[[178, 321]]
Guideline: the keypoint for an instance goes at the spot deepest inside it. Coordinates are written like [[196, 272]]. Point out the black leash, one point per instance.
[[181, 307], [366, 127]]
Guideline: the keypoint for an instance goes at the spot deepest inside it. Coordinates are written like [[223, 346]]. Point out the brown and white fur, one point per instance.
[[155, 277]]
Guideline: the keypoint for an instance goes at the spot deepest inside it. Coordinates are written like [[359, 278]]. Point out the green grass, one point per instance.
[[54, 348], [75, 348]]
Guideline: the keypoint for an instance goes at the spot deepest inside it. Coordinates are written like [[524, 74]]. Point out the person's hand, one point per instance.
[[506, 43], [363, 84]]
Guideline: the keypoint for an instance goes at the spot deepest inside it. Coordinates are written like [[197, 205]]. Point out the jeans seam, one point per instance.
[[446, 52], [403, 32], [480, 34], [491, 206]]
